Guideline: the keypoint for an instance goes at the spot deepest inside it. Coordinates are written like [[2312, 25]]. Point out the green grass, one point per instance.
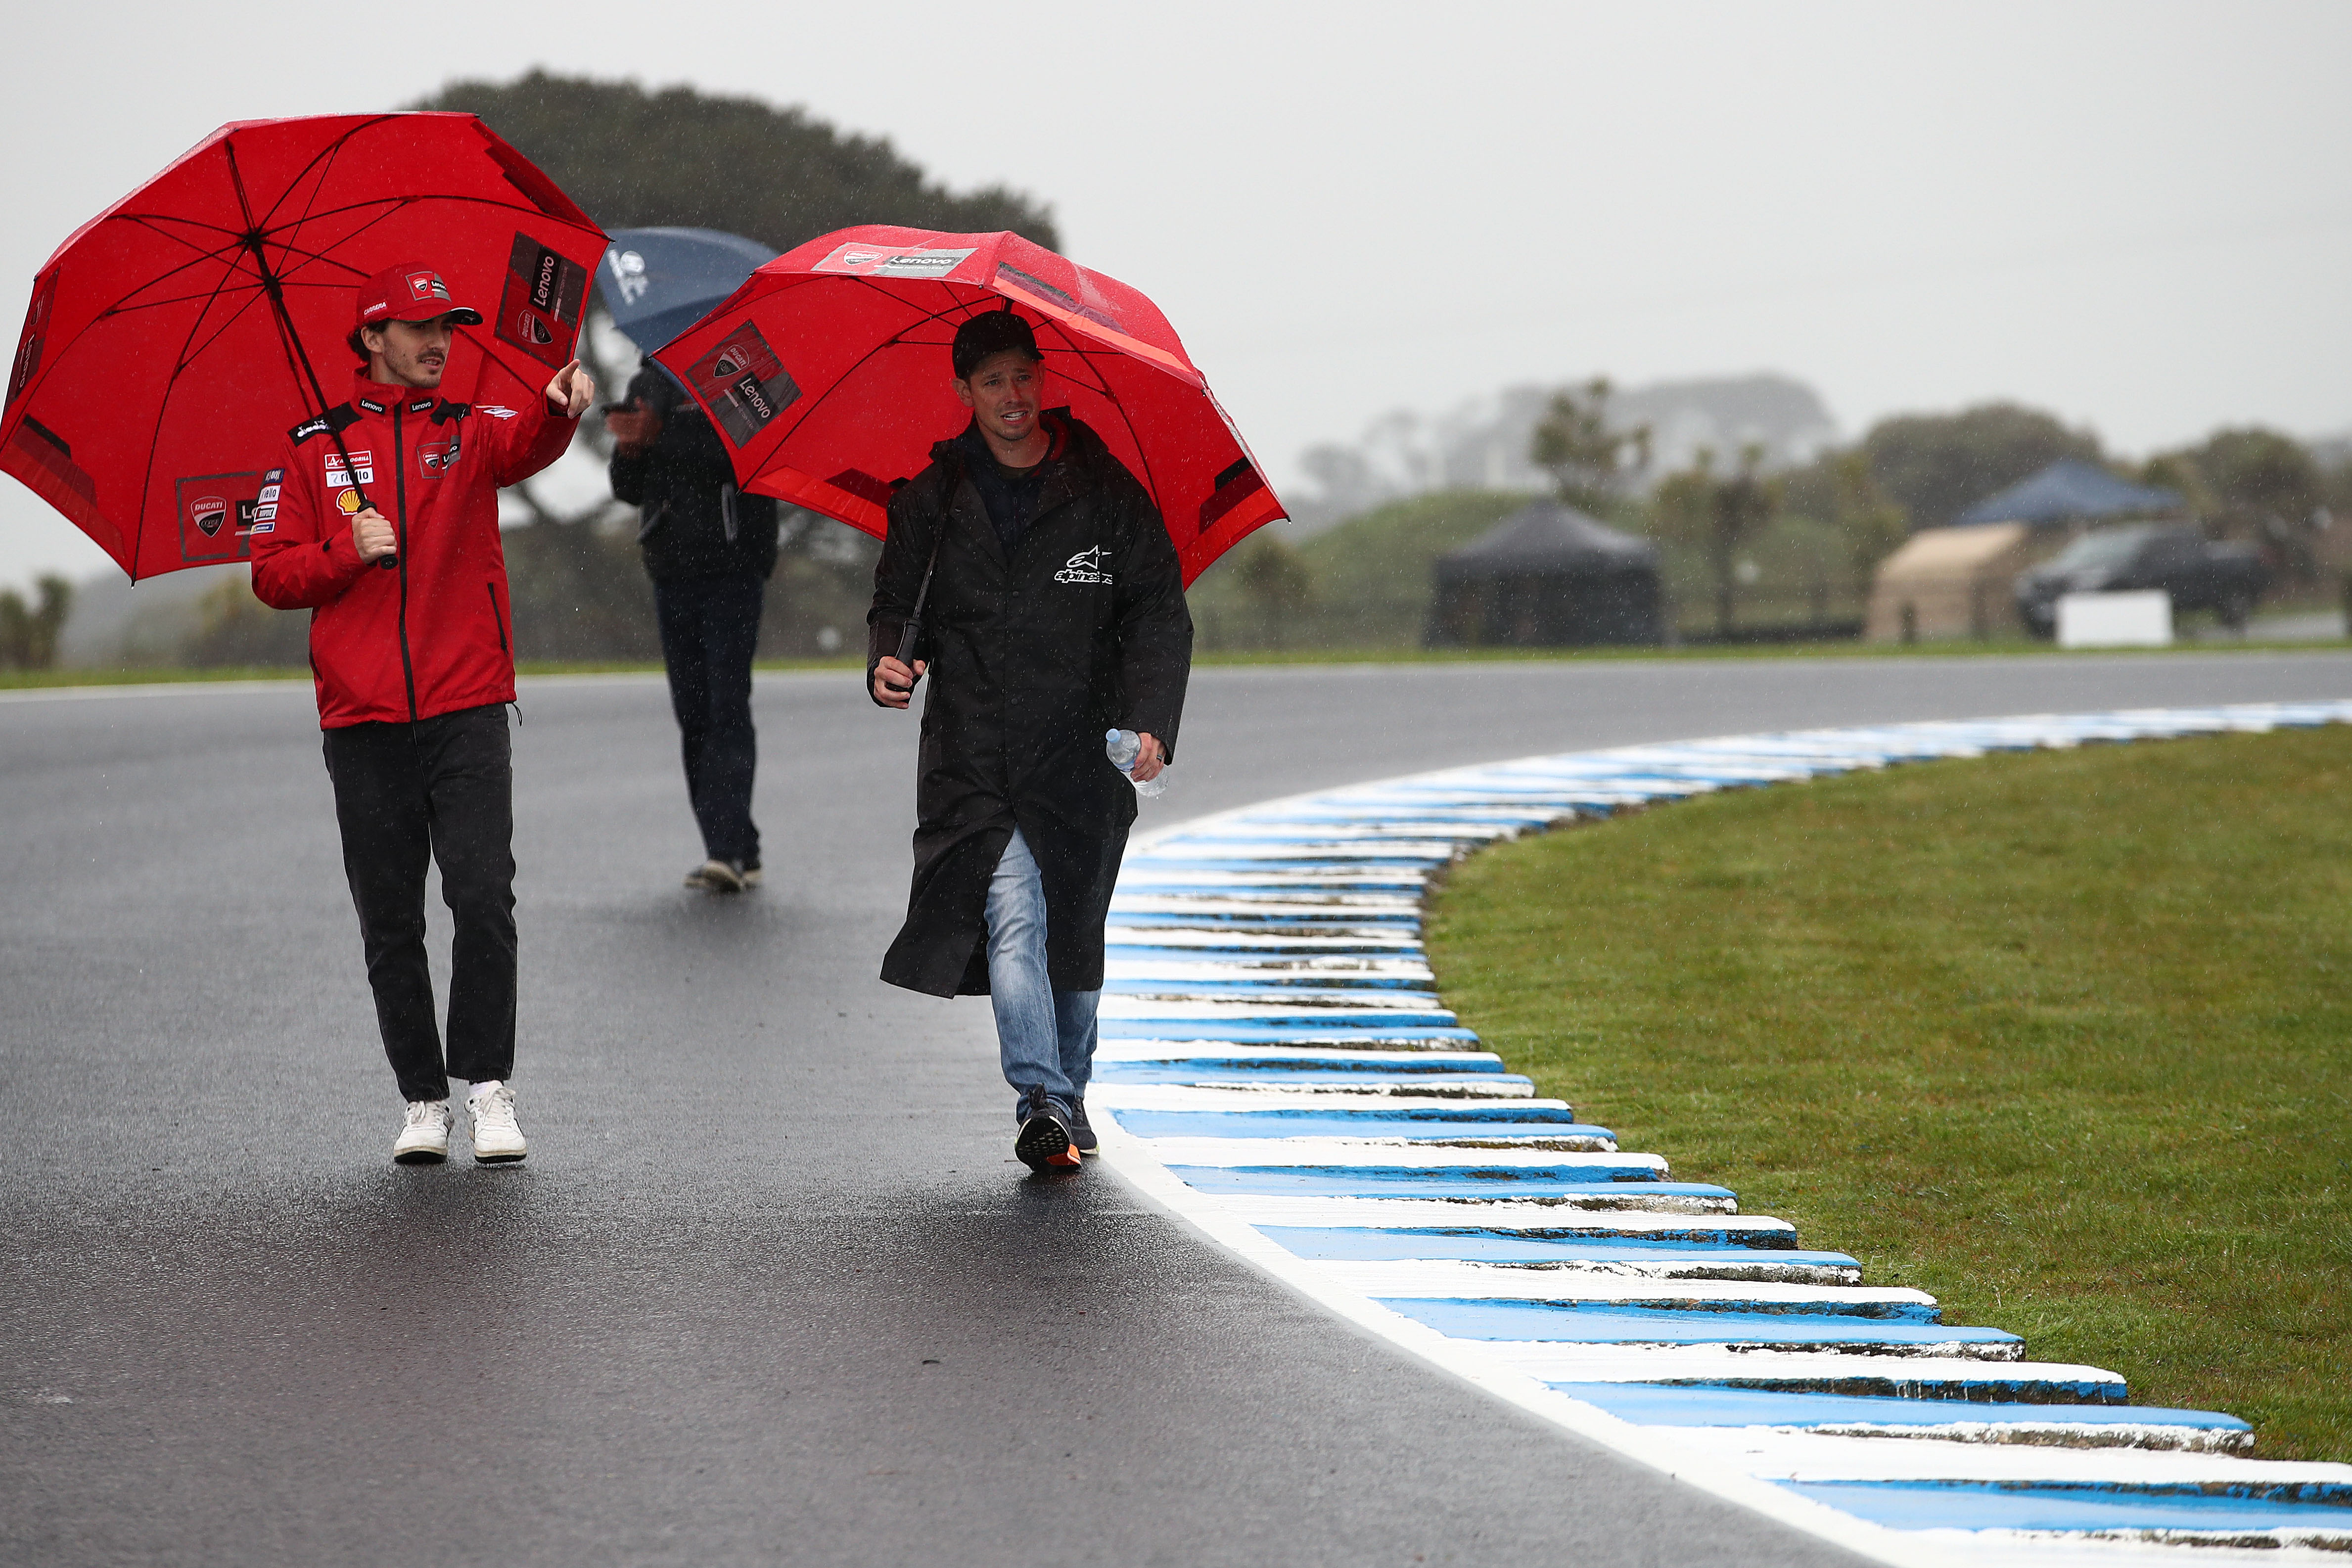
[[2064, 1038]]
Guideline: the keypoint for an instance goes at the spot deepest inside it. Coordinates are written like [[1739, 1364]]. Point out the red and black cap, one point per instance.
[[411, 292]]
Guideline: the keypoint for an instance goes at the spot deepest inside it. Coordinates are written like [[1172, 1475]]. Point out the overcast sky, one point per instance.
[[2137, 215]]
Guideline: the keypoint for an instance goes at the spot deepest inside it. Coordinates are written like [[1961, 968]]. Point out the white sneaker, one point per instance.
[[496, 1140], [423, 1133], [720, 877]]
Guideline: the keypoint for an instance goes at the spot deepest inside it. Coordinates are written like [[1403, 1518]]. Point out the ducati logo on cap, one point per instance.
[[427, 285]]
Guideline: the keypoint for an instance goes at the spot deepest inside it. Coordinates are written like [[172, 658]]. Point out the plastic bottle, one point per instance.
[[1122, 747]]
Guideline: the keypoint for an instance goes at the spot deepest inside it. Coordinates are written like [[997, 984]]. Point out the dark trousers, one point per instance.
[[709, 626], [443, 788]]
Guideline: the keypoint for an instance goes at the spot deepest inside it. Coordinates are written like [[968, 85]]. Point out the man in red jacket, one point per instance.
[[381, 519]]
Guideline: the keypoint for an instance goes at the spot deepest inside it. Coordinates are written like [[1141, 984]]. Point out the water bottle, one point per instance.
[[1122, 747]]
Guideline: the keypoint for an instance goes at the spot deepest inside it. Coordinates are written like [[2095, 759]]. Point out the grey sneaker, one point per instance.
[[498, 1140], [424, 1137], [716, 877]]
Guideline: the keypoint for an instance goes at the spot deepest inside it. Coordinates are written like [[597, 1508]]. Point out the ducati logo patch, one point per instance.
[[438, 456], [1086, 566]]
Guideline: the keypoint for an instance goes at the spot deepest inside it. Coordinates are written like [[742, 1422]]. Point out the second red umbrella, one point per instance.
[[827, 376]]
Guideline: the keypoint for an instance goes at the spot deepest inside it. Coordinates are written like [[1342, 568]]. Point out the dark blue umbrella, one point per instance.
[[659, 281]]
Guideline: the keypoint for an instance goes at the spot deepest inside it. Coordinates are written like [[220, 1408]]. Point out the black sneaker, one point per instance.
[[1082, 1131], [1044, 1142]]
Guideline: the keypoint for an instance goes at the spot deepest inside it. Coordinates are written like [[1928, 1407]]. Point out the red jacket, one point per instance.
[[432, 637]]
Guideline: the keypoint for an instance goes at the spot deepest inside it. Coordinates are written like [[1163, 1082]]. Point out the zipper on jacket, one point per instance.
[[400, 535], [496, 619]]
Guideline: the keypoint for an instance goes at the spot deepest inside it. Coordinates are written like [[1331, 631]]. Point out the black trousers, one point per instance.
[[443, 788], [709, 626]]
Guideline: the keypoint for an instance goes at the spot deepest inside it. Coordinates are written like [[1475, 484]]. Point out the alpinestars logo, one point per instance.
[[1086, 566]]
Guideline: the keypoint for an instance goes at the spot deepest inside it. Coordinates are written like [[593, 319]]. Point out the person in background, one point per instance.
[[709, 550]]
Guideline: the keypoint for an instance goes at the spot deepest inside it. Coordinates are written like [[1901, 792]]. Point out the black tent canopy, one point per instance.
[[1546, 576]]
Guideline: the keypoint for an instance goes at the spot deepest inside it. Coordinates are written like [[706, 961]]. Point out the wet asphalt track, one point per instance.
[[769, 1289]]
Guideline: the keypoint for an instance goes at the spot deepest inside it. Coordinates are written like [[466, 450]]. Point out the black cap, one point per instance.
[[991, 333]]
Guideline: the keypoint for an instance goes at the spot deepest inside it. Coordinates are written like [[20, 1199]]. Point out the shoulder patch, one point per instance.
[[340, 416], [496, 411]]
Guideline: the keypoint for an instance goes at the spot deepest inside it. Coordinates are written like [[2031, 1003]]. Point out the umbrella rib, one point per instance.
[[1142, 453], [326, 155]]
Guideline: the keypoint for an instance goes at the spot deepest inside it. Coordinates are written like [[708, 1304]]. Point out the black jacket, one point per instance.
[[1082, 628], [682, 487]]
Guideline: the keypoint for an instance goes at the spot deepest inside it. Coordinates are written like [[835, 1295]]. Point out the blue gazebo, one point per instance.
[[2070, 490]]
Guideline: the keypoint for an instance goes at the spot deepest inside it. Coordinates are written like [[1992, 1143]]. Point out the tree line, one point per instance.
[[1766, 550]]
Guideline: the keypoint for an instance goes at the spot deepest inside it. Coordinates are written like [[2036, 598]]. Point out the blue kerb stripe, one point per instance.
[[1575, 1228], [1483, 1183], [1304, 1027], [1236, 1032], [1277, 987], [1648, 1405], [1344, 1124], [1982, 1505], [1612, 1324], [1275, 1074], [1341, 1244], [1211, 920], [1464, 1121]]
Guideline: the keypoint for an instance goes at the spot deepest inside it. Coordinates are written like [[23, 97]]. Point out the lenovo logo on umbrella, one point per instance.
[[743, 383]]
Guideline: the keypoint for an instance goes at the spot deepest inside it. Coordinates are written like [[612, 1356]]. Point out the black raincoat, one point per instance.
[[1082, 629]]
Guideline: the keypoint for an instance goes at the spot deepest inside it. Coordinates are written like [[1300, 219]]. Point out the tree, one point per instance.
[[29, 633], [1718, 515], [1276, 580], [235, 630], [1588, 461], [1935, 466], [676, 156], [2260, 485], [1870, 525]]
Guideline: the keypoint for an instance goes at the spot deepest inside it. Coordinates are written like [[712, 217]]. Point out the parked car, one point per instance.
[[2177, 558]]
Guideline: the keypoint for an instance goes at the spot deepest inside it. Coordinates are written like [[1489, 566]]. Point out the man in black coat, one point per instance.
[[1054, 611], [709, 550]]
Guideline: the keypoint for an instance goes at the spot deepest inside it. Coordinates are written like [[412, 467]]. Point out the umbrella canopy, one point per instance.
[[827, 373], [657, 282], [173, 340], [2070, 490]]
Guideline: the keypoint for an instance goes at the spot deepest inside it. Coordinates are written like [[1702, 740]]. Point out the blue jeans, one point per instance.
[[1046, 1037]]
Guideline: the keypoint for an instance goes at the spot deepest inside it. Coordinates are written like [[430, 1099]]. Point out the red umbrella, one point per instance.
[[827, 373], [175, 339]]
